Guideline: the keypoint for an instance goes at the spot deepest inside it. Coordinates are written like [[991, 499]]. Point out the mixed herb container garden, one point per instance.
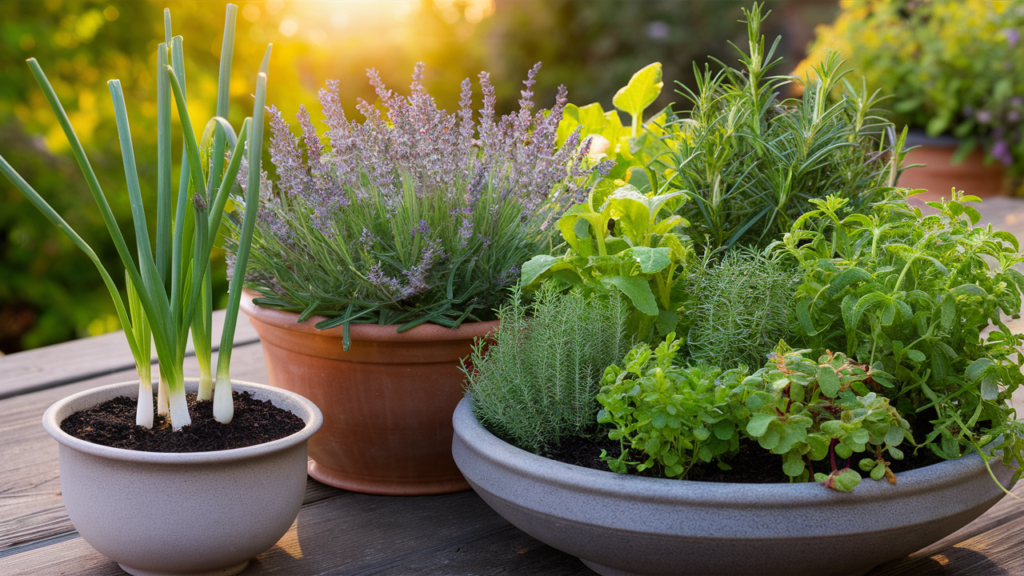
[[658, 338]]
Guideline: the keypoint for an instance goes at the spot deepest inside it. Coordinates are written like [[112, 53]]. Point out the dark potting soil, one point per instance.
[[750, 465], [113, 424]]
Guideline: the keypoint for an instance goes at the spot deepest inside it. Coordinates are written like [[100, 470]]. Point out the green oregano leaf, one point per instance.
[[828, 381]]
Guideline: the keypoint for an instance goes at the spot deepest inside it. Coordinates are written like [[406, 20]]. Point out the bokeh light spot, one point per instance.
[[251, 12], [339, 19], [111, 13], [288, 27]]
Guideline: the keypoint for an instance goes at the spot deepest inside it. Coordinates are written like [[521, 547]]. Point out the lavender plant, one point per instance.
[[413, 214]]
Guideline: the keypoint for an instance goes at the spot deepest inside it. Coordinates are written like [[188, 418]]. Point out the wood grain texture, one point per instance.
[[77, 360]]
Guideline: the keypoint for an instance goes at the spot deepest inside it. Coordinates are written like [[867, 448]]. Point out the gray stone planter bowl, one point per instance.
[[195, 513], [619, 524]]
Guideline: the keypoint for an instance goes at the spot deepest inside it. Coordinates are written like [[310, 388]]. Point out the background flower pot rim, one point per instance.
[[918, 137], [682, 492], [312, 417], [426, 332]]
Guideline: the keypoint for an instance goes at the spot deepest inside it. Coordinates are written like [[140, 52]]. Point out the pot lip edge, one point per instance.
[[314, 422], [609, 484], [427, 332]]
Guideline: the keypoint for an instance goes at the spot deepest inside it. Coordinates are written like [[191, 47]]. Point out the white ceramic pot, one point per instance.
[[199, 513], [621, 525]]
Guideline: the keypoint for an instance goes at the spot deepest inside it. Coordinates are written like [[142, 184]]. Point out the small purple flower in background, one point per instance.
[[1001, 151], [366, 239], [1013, 116], [423, 228], [983, 116], [1012, 36]]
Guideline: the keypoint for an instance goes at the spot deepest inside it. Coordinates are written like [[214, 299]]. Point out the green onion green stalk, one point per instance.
[[168, 287]]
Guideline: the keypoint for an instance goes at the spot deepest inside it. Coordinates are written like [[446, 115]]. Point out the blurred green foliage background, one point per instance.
[[50, 293]]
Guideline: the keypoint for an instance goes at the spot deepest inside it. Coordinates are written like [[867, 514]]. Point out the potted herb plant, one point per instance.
[[881, 424], [377, 263], [954, 73], [200, 488]]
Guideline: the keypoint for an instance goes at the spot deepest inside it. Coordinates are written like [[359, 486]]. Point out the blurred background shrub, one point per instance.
[[50, 293], [952, 67]]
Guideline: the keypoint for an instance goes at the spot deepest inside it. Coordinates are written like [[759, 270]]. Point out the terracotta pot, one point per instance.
[[939, 174], [196, 513], [387, 401]]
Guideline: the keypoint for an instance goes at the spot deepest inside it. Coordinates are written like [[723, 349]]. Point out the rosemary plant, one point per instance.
[[413, 216], [538, 381], [742, 309], [165, 286], [751, 161]]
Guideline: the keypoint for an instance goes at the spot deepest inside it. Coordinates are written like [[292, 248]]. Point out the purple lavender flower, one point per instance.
[[983, 116], [481, 182], [1012, 36], [423, 228], [1001, 151]]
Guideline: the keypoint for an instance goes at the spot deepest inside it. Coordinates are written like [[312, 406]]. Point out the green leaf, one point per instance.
[[894, 436], [793, 464], [536, 266], [989, 388], [948, 312], [723, 429], [828, 381], [643, 89], [846, 480], [758, 424], [1008, 238], [916, 355], [803, 315], [977, 368], [846, 278], [667, 321], [637, 290], [652, 260], [878, 472]]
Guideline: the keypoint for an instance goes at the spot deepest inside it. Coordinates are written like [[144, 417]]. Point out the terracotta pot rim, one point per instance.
[[427, 332], [295, 403], [919, 137]]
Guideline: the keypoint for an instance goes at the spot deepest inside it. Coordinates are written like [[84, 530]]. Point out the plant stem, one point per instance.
[[223, 406]]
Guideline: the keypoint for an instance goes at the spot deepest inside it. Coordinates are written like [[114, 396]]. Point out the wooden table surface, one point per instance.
[[339, 532]]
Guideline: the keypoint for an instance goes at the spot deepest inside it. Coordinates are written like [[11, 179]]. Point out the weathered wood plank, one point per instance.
[[77, 360], [508, 551], [344, 534], [31, 506]]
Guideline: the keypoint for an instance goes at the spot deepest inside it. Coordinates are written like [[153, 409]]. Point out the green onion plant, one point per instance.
[[168, 285]]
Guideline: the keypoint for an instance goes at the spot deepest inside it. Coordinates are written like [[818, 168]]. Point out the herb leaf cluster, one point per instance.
[[535, 381]]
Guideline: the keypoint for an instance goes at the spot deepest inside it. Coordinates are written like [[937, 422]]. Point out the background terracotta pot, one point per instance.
[[387, 401], [939, 174]]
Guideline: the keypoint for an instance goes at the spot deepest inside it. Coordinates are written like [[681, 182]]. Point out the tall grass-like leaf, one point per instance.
[[163, 293], [143, 336], [223, 407]]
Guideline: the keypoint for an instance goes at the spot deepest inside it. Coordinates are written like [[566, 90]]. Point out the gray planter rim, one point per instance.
[[703, 494], [298, 405]]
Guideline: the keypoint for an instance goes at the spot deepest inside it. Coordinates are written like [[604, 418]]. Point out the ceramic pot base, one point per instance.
[[229, 571], [386, 486]]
